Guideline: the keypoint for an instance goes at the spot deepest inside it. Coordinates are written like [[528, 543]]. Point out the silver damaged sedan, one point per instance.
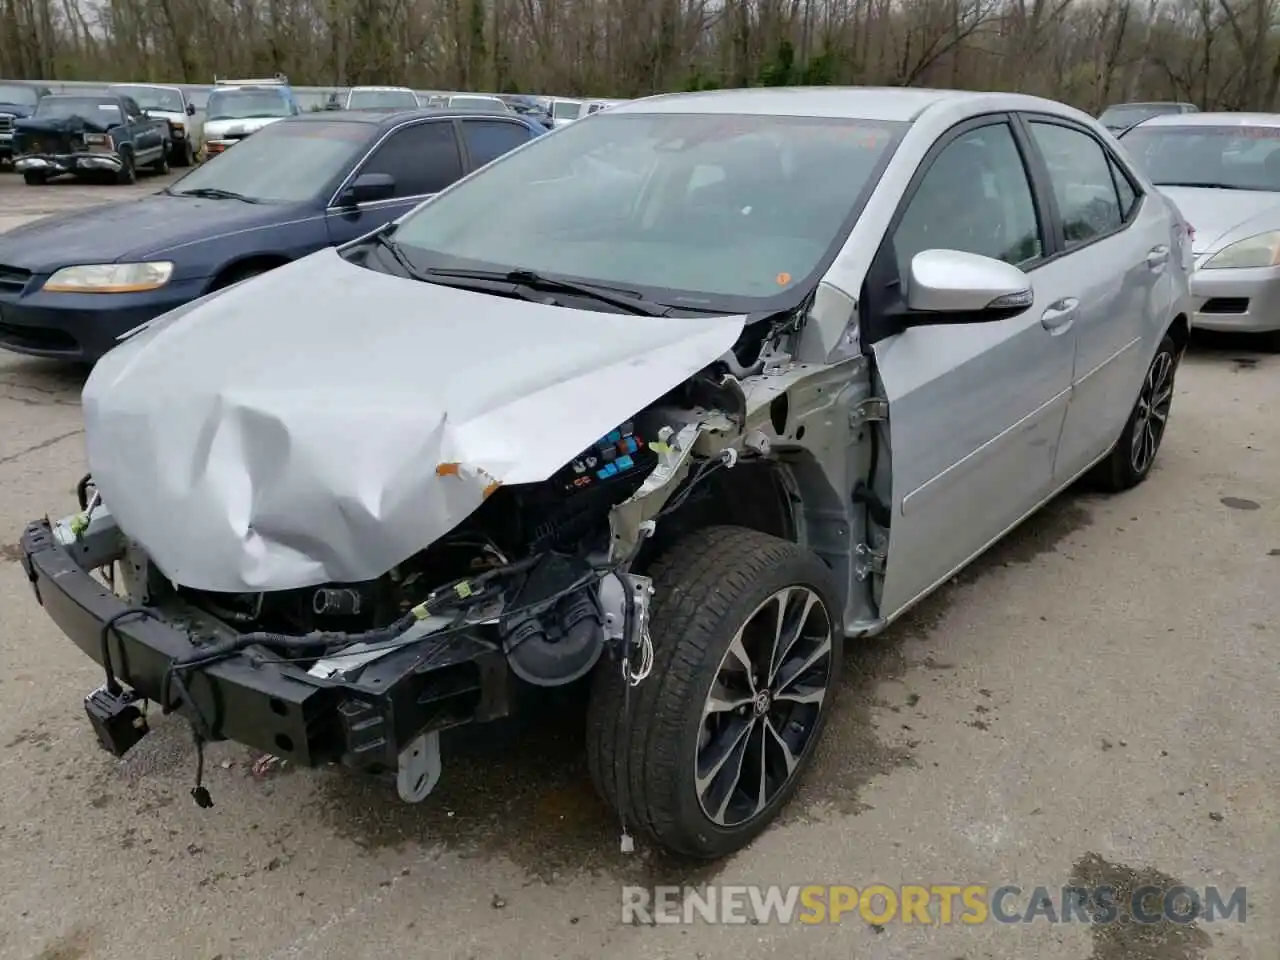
[[1222, 170], [741, 377]]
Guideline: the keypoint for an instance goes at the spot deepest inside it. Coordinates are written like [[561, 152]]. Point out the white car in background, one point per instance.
[[381, 98], [564, 111], [477, 102], [238, 108]]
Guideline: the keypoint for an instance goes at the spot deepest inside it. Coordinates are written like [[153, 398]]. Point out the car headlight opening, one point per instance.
[[111, 277], [1262, 250]]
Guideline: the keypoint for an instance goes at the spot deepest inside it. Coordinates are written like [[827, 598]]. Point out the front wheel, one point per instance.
[[128, 172], [1131, 459], [161, 166], [747, 641], [34, 179]]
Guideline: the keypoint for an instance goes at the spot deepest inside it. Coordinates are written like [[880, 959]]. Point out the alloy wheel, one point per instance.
[[1152, 414], [763, 706]]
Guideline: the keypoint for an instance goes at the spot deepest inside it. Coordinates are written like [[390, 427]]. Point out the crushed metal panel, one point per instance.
[[326, 422]]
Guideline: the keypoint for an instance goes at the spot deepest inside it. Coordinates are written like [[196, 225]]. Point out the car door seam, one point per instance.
[[979, 451], [1114, 356]]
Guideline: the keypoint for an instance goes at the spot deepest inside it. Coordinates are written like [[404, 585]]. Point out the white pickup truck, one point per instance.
[[169, 103]]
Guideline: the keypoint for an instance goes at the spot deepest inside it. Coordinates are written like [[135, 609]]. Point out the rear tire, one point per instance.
[[1131, 459], [35, 179], [717, 597]]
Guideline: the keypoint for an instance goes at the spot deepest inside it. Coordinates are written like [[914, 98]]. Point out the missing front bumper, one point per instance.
[[366, 718]]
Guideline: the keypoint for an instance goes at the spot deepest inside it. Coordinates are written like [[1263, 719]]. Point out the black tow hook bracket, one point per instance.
[[117, 719]]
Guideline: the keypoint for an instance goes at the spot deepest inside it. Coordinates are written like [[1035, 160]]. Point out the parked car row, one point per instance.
[[743, 375]]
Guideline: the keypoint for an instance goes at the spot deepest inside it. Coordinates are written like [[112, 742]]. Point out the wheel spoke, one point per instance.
[[789, 632], [762, 794], [739, 652], [723, 700], [726, 769], [802, 693], [785, 681], [789, 759]]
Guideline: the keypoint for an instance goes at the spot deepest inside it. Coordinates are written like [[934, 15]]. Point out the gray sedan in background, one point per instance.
[[1222, 170]]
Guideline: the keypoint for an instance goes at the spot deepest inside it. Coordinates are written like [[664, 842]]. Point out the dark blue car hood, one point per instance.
[[146, 227]]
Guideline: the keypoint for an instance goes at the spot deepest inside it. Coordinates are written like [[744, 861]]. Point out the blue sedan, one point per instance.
[[70, 285]]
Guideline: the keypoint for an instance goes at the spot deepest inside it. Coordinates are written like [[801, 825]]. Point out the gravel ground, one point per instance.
[[1096, 700]]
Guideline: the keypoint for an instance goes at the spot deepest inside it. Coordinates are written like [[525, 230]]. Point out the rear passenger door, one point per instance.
[[1115, 248], [422, 158], [484, 140]]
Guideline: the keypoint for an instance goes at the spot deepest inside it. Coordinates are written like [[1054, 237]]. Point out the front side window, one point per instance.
[[248, 105], [728, 212], [1083, 186], [284, 162], [1217, 157], [489, 139], [422, 158], [975, 198]]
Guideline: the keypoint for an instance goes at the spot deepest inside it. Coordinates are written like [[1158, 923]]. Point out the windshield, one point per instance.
[[104, 110], [363, 99], [12, 94], [705, 211], [565, 109], [153, 98], [1237, 158], [247, 104], [1129, 115], [487, 104], [284, 162]]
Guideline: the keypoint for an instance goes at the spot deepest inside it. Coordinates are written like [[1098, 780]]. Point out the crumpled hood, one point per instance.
[[300, 428], [1224, 216], [213, 129]]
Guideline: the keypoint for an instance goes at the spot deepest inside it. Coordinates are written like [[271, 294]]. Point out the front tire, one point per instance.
[[128, 171], [747, 643], [161, 166], [1131, 459], [185, 156], [34, 179]]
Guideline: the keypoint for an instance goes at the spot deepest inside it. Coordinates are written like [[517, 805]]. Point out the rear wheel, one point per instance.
[[1131, 459], [747, 643], [35, 179]]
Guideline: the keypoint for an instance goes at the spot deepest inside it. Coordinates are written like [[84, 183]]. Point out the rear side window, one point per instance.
[[1125, 190], [1083, 185], [422, 158], [489, 139]]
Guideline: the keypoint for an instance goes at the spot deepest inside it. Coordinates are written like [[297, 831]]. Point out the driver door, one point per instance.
[[974, 411]]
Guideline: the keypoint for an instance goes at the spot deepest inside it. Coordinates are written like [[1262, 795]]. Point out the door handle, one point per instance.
[[1158, 257], [1059, 314]]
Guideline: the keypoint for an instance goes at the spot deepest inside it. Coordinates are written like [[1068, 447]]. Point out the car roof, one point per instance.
[[1223, 119], [152, 86], [1149, 103], [861, 103], [391, 116], [380, 89]]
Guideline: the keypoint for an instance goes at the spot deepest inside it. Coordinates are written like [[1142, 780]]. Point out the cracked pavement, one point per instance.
[[1098, 697]]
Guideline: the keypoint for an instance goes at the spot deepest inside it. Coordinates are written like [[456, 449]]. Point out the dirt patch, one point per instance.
[[1124, 937], [11, 552], [73, 946], [1239, 503]]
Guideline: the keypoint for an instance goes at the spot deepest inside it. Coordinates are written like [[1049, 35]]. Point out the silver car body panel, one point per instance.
[[290, 430], [237, 475]]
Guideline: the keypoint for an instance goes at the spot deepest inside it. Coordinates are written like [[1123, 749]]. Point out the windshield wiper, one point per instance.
[[214, 193], [627, 300], [1204, 184]]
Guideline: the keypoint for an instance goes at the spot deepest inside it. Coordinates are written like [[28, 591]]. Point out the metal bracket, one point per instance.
[[865, 411], [870, 561], [420, 767]]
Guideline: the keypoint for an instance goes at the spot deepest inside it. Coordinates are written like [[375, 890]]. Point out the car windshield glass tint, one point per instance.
[[94, 109], [153, 98], [363, 99], [1234, 157], [246, 104], [285, 162], [12, 94], [706, 211]]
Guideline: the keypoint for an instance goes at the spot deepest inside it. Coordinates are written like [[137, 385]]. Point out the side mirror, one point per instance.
[[368, 187], [191, 109], [949, 286]]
